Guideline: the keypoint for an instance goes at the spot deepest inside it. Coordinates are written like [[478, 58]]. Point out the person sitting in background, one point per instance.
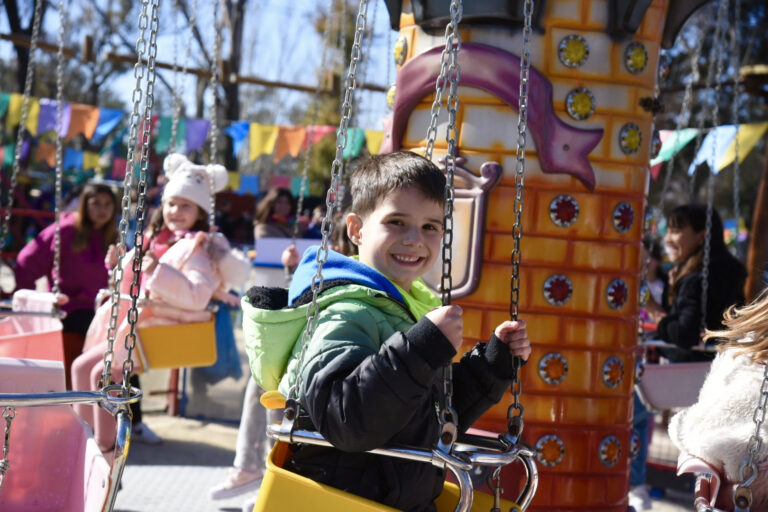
[[314, 229], [276, 215], [85, 238], [680, 318]]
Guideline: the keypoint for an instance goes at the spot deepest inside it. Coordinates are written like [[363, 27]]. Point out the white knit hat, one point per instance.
[[191, 181]]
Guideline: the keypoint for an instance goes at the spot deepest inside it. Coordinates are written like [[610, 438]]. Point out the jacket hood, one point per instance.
[[338, 268]]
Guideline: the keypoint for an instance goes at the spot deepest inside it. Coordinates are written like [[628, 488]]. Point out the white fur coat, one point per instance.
[[717, 428]]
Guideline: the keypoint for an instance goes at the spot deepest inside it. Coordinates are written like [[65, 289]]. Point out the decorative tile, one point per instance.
[[550, 450], [573, 50], [580, 104], [557, 289], [400, 50], [636, 57], [623, 217], [634, 444], [655, 144], [391, 96], [610, 451], [613, 372], [553, 368], [563, 210], [630, 138], [617, 294]]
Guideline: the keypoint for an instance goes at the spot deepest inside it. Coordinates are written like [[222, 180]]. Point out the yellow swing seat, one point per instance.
[[284, 490], [177, 346]]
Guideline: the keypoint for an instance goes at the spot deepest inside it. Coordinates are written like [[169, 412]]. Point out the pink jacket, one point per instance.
[[179, 290]]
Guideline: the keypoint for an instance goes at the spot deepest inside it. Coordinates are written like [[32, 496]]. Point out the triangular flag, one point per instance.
[[373, 139], [91, 160], [262, 139], [672, 141], [296, 187], [355, 141], [8, 154], [4, 99], [73, 159], [289, 141], [238, 132], [249, 184], [315, 133], [281, 182], [33, 114], [83, 120], [233, 180], [118, 168], [47, 120], [197, 132], [109, 118], [46, 153], [13, 116], [714, 145], [747, 137], [163, 140]]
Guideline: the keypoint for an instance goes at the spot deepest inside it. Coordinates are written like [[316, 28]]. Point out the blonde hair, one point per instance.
[[746, 329]]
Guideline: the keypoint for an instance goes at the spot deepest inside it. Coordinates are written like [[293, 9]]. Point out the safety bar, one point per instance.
[[106, 397], [459, 464], [6, 309], [104, 294]]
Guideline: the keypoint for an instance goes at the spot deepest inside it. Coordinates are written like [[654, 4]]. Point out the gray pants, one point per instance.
[[253, 445]]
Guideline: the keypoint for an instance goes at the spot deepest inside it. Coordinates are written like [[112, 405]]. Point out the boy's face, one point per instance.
[[401, 238]]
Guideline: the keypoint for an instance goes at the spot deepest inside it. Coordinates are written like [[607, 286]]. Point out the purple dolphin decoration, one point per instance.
[[561, 148]]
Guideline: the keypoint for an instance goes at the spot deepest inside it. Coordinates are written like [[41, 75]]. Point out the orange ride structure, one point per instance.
[[587, 173]]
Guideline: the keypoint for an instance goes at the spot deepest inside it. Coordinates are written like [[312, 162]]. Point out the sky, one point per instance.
[[270, 28]]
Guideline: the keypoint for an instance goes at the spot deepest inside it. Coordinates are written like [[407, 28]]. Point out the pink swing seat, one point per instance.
[[54, 462], [31, 337]]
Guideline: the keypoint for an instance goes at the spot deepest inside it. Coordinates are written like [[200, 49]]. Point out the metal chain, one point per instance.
[[736, 62], [214, 85], [313, 122], [9, 413], [138, 246], [59, 173], [5, 228], [138, 73], [330, 197], [742, 492], [515, 410], [719, 41], [179, 90]]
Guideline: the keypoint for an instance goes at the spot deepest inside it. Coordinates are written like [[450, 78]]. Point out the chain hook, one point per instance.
[[9, 413]]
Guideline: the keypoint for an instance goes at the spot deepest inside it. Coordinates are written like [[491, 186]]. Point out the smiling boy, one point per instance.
[[371, 374]]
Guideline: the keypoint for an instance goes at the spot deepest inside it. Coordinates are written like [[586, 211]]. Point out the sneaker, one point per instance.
[[143, 434], [249, 505], [238, 482], [639, 498]]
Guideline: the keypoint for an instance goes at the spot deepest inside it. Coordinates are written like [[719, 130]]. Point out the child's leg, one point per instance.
[[104, 427], [251, 436], [81, 379]]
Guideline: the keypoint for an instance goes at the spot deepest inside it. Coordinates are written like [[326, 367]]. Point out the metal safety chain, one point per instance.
[[748, 472], [179, 89], [214, 86], [736, 62], [139, 72], [515, 410], [312, 123], [59, 176], [327, 226], [722, 13], [5, 229], [9, 413]]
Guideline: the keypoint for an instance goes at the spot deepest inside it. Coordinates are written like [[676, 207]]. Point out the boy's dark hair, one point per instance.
[[380, 175]]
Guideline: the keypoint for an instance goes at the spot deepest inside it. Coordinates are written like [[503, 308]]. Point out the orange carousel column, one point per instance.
[[585, 188]]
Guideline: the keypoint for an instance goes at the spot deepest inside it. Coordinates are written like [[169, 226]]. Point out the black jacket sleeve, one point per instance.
[[682, 325]]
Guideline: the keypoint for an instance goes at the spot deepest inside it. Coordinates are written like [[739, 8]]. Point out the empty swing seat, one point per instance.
[[671, 386], [177, 346], [54, 462], [31, 337]]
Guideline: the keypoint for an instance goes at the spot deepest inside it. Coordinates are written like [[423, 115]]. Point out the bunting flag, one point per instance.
[[4, 99], [289, 141], [672, 142], [296, 187], [8, 154], [249, 184], [47, 119], [233, 180], [713, 147], [109, 118], [33, 114], [163, 139], [46, 153], [197, 132], [747, 137], [118, 168], [281, 182], [373, 140], [13, 113], [73, 159], [355, 141], [91, 161], [262, 139], [83, 121], [315, 133], [238, 132]]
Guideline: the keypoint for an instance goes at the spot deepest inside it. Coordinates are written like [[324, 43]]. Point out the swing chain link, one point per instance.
[[722, 13], [133, 313], [9, 413], [179, 89], [494, 484], [327, 226], [515, 410], [735, 49], [214, 86], [59, 173], [748, 472], [5, 229]]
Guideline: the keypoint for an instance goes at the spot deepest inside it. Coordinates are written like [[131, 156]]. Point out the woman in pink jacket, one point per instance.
[[183, 268]]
